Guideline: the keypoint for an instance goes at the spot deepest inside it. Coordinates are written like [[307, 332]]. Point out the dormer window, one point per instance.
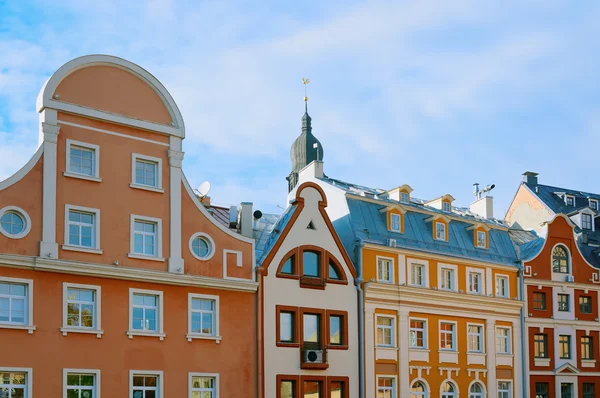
[[570, 200], [560, 260], [586, 221], [593, 204], [446, 207], [482, 239], [440, 230], [404, 197], [395, 222]]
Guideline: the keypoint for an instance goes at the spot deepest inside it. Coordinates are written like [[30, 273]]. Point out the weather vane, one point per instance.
[[305, 81]]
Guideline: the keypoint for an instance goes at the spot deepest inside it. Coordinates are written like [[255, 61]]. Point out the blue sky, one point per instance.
[[435, 94]]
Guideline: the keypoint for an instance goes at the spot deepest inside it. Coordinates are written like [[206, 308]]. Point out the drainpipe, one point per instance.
[[361, 322], [523, 331]]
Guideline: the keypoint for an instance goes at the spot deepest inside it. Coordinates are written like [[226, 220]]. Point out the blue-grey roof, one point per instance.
[[529, 250], [267, 230], [549, 195]]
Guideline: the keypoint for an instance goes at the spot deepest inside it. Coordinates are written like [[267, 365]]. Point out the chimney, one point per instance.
[[245, 219], [483, 207], [530, 178]]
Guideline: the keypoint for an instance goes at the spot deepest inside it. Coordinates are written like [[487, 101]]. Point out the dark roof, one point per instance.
[[221, 214], [549, 195], [303, 151], [269, 231]]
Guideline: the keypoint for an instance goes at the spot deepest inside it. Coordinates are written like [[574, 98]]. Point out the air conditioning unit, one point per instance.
[[570, 278], [313, 356], [391, 242]]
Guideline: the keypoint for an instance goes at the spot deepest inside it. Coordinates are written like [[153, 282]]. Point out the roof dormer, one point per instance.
[[394, 218], [569, 200], [400, 194], [439, 226], [480, 235], [584, 219], [443, 203], [593, 203]]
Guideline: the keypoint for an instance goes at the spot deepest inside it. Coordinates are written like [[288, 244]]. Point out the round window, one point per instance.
[[202, 246], [12, 222]]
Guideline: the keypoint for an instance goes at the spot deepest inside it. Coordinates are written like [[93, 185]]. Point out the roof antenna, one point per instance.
[[305, 81]]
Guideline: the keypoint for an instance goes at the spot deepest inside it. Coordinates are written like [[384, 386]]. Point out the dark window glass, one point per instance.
[[311, 262], [563, 302], [540, 346], [539, 301], [541, 390], [585, 304], [333, 271], [289, 265], [587, 347], [560, 260], [588, 390], [570, 201], [566, 390], [586, 221]]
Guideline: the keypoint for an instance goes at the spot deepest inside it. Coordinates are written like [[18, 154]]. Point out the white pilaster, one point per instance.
[[518, 373], [490, 348], [369, 352], [49, 130], [403, 340], [176, 264]]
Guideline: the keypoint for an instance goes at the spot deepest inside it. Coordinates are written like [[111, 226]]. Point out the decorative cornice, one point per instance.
[[477, 372], [175, 158], [50, 132], [449, 371]]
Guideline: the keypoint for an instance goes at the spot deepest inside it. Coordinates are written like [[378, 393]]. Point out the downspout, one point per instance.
[[361, 322], [521, 281]]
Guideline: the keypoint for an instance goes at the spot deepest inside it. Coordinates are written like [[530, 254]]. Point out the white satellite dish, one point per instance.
[[204, 189]]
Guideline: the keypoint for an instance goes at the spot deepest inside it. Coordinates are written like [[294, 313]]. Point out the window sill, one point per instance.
[[384, 281], [81, 249], [289, 345], [142, 257], [479, 353], [588, 363], [131, 333], [29, 328], [287, 276], [423, 349], [193, 336], [389, 347], [147, 188], [541, 361], [82, 176], [66, 330], [504, 354]]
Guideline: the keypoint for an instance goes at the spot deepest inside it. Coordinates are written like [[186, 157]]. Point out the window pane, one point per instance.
[[288, 266], [286, 389], [311, 328], [286, 326], [335, 329], [312, 389], [333, 272], [311, 263]]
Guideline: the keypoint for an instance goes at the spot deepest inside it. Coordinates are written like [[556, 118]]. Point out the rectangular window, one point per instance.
[[82, 160], [475, 282], [14, 303], [337, 329], [417, 274], [403, 197], [570, 201], [386, 387], [585, 304], [563, 302], [418, 333], [312, 329], [145, 239], [594, 204], [145, 313], [482, 239], [286, 327], [586, 221], [146, 384], [540, 346], [589, 390], [385, 270], [504, 389], [287, 386], [395, 218], [566, 390], [542, 390], [385, 331], [503, 344], [587, 347], [81, 229], [475, 338], [446, 207], [440, 231], [81, 311], [204, 385], [80, 383], [313, 389], [338, 388], [539, 301], [447, 336], [501, 286], [564, 344], [146, 173], [15, 383], [447, 281], [204, 315]]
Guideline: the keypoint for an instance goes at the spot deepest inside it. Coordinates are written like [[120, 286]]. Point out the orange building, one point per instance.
[[115, 279]]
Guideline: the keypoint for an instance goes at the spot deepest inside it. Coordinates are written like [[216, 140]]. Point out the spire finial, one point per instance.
[[305, 81]]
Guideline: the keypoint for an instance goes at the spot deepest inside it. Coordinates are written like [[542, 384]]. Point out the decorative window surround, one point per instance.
[[413, 342], [160, 333], [503, 340], [92, 372], [392, 329], [395, 222], [159, 183], [481, 284], [215, 389], [95, 149], [28, 325], [95, 249], [157, 373], [28, 378], [25, 218], [425, 275], [480, 335], [389, 272], [215, 323], [97, 328], [452, 334], [499, 278], [211, 246], [158, 243], [454, 269], [593, 204]]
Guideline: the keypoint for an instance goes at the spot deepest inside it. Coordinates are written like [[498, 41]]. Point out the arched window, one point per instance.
[[418, 390], [476, 391], [560, 260], [289, 266], [334, 273], [311, 263], [448, 390]]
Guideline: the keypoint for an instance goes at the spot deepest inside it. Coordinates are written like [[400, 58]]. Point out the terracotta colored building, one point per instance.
[[115, 279]]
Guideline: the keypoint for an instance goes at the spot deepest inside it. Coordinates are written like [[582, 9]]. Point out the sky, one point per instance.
[[434, 94]]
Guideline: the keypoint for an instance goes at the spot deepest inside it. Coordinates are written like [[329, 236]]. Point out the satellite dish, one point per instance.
[[204, 189]]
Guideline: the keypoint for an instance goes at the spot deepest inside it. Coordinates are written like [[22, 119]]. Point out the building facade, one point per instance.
[[115, 279]]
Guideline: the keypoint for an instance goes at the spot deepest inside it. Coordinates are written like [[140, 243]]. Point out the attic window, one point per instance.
[[482, 239], [404, 197], [570, 200], [446, 207], [593, 204], [440, 230], [395, 222], [586, 221]]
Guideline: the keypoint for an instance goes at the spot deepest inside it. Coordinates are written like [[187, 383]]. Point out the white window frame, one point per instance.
[[157, 373], [215, 376], [453, 334], [591, 228], [95, 249], [454, 269], [96, 159], [393, 329], [444, 209], [211, 243], [391, 270], [25, 216], [94, 372], [425, 276], [497, 277], [191, 335], [392, 215], [144, 158], [481, 274], [567, 197], [485, 238], [425, 333], [445, 238], [28, 378], [510, 383], [394, 387], [404, 195], [28, 325], [508, 339], [481, 338], [97, 329], [159, 240], [593, 201], [160, 333]]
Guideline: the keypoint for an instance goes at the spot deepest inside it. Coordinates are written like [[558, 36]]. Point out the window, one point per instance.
[[14, 222], [587, 347], [501, 286], [15, 383], [504, 389], [311, 264], [145, 384], [146, 238], [82, 227], [204, 385], [560, 260], [395, 222], [313, 389], [145, 313], [287, 388], [202, 246], [569, 200], [146, 172], [585, 304], [418, 390], [81, 383], [540, 346], [503, 345], [14, 303], [447, 281], [418, 333], [404, 197], [476, 391], [289, 266], [447, 336], [593, 204], [481, 239], [204, 315], [586, 221], [81, 308], [417, 274], [589, 390], [539, 301], [541, 390], [448, 390], [286, 327], [386, 387], [337, 329], [566, 390], [385, 270], [83, 160], [446, 207], [564, 344], [312, 330], [563, 302], [334, 272], [338, 387], [475, 282], [385, 331], [475, 338], [440, 231]]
